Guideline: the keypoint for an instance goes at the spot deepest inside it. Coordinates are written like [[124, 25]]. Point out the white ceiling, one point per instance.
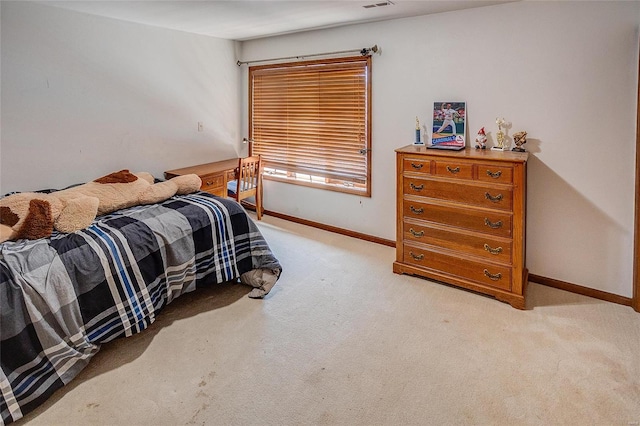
[[245, 20]]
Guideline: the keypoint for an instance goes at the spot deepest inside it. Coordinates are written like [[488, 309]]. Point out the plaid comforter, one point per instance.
[[63, 296]]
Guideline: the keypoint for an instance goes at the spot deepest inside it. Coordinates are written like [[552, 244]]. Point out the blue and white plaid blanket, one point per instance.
[[63, 296]]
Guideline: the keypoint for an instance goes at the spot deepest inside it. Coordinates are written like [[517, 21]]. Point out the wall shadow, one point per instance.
[[570, 238]]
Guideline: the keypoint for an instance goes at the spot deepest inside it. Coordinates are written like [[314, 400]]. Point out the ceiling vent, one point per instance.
[[385, 3]]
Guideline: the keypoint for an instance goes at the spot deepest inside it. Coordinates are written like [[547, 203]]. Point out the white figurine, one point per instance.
[[481, 139]]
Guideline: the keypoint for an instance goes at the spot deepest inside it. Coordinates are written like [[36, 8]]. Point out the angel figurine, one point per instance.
[[519, 139], [481, 139]]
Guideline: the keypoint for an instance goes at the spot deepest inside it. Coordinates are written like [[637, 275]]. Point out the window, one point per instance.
[[310, 122]]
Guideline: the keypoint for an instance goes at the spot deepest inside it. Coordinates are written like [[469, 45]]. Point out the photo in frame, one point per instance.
[[449, 125]]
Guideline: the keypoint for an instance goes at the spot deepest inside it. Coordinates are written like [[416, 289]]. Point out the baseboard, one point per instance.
[[550, 282], [378, 240], [578, 289]]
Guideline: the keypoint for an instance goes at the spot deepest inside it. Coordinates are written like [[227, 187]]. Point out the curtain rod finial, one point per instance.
[[370, 50]]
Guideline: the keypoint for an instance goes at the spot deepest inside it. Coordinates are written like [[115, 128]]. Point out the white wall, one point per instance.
[[566, 72], [83, 96]]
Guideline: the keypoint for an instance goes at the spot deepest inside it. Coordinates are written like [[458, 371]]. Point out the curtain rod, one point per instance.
[[364, 52]]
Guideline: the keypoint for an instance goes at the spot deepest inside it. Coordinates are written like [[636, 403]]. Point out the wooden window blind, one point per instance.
[[310, 122]]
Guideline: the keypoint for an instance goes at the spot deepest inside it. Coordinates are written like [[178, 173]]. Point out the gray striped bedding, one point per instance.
[[62, 297]]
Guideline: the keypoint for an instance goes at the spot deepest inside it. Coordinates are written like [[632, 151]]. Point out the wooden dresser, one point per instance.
[[215, 176], [461, 219]]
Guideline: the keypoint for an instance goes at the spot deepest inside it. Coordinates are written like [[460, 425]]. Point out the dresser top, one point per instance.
[[471, 153]]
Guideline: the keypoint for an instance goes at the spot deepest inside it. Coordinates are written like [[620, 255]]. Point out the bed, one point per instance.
[[62, 297]]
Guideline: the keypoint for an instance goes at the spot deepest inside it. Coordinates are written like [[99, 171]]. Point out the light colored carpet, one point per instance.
[[341, 340]]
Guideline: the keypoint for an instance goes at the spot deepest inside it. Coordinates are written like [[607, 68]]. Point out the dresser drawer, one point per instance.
[[496, 174], [477, 195], [417, 165], [212, 183], [489, 222], [487, 246], [453, 169], [485, 273]]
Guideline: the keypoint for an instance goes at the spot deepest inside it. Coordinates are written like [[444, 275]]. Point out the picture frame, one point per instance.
[[449, 130]]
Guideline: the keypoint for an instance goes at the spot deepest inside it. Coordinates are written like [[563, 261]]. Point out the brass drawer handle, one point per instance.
[[493, 199], [418, 256], [417, 166], [416, 211], [493, 277], [494, 175], [454, 171], [493, 250], [493, 225], [416, 187], [416, 233], [209, 183]]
